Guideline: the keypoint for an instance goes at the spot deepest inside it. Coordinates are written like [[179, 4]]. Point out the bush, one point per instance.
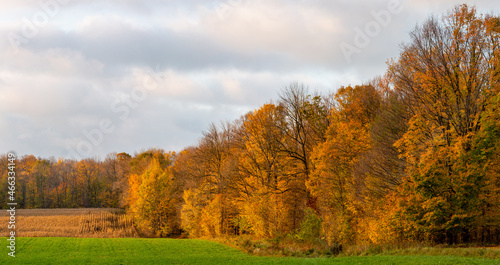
[[310, 227]]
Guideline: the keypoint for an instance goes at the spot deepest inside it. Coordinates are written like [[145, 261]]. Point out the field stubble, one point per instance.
[[80, 222]]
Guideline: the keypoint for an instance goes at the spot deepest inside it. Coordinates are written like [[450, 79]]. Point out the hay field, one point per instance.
[[80, 222]]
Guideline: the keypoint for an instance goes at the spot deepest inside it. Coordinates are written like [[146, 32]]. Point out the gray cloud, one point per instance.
[[159, 72]]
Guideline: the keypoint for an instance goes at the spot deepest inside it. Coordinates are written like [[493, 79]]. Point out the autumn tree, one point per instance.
[[88, 181], [60, 184], [333, 181], [4, 163], [485, 161], [379, 170], [215, 184], [152, 195], [65, 183], [38, 184], [122, 172], [266, 196], [304, 127], [446, 74], [112, 178]]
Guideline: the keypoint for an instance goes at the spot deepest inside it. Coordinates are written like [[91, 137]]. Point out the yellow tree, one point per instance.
[[266, 193], [333, 181], [152, 200], [87, 178], [210, 173]]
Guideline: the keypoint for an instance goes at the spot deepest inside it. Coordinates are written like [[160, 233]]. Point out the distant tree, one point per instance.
[[89, 182]]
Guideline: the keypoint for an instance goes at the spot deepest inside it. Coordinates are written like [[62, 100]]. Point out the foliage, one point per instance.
[[310, 228], [152, 201], [448, 72]]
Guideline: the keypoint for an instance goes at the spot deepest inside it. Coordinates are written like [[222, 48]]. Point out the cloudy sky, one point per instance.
[[84, 78]]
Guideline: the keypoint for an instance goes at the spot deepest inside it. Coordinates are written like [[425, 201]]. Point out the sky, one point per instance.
[[83, 79]]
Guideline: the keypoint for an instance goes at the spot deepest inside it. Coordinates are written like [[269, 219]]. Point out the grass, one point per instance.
[[56, 250], [80, 222], [106, 236], [317, 249]]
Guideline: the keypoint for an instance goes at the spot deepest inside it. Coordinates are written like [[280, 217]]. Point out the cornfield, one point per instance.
[[69, 223]]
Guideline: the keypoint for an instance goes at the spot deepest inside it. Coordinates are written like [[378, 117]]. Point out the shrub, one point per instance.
[[310, 227]]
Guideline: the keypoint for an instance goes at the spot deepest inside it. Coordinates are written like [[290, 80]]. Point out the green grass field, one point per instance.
[[54, 250]]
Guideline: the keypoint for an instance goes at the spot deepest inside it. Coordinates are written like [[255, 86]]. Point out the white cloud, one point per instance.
[[302, 31]]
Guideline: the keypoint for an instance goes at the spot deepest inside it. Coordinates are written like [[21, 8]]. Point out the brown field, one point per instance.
[[81, 222]]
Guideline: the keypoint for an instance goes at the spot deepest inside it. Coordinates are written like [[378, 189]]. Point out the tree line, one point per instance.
[[413, 155]]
